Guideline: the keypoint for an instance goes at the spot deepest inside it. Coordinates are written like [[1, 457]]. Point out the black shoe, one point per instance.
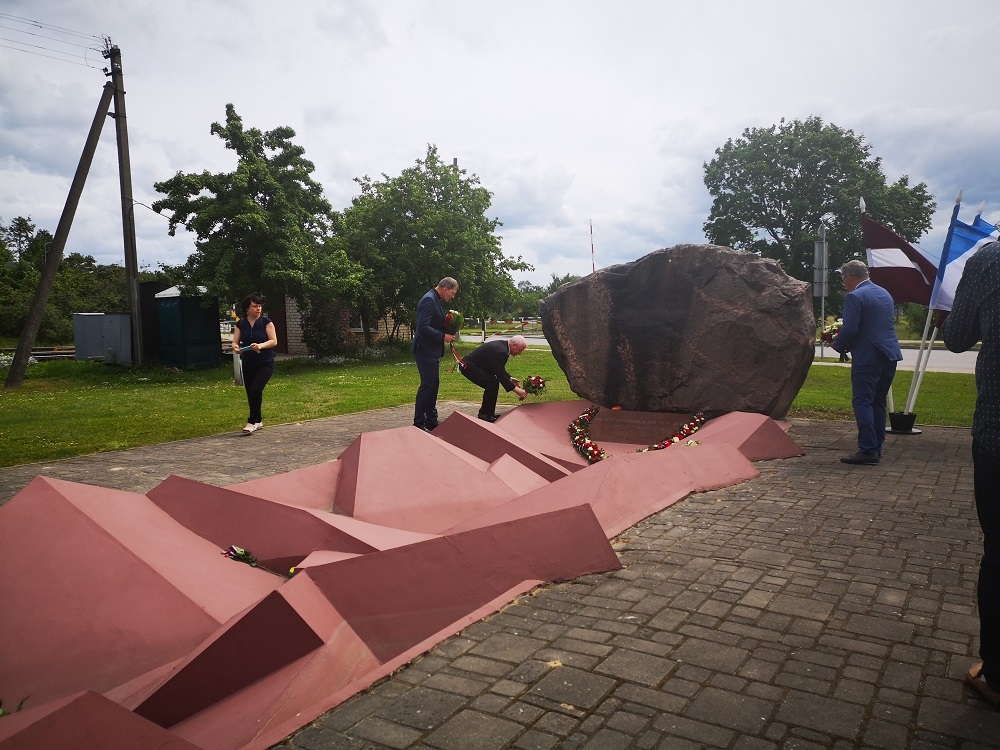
[[489, 417], [431, 425], [860, 458], [423, 427]]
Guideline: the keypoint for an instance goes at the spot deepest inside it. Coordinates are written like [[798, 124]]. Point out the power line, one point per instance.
[[50, 57], [39, 50], [49, 27], [42, 36]]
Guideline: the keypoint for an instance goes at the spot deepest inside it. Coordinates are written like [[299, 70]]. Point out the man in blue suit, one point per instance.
[[869, 335], [428, 346]]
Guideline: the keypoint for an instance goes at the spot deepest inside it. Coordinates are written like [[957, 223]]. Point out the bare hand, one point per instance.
[[521, 393], [448, 338]]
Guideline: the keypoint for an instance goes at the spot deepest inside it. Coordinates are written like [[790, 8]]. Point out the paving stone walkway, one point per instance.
[[817, 606]]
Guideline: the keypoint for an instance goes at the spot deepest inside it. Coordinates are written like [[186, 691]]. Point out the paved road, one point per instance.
[[816, 606], [941, 360]]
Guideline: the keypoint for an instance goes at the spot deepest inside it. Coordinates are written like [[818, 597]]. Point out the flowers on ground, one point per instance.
[[579, 433], [243, 555], [686, 430], [533, 384]]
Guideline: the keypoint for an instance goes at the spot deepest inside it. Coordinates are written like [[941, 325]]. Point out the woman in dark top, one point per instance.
[[255, 333]]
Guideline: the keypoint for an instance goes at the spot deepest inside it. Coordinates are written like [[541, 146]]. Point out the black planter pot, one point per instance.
[[901, 423]]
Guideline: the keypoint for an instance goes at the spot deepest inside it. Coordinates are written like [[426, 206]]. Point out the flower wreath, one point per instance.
[[579, 433], [687, 430]]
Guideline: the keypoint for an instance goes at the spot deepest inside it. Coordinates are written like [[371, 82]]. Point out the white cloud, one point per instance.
[[569, 111]]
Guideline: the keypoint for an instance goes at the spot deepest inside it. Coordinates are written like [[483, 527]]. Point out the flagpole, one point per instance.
[[942, 264], [917, 372], [920, 377]]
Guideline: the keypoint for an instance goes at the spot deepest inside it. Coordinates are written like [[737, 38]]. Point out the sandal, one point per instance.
[[974, 679]]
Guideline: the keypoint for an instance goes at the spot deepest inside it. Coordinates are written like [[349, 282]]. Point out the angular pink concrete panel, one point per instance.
[[99, 586], [85, 721], [312, 487], [279, 536], [108, 592], [427, 488], [491, 441], [542, 428], [626, 488], [758, 437], [396, 598], [269, 685]]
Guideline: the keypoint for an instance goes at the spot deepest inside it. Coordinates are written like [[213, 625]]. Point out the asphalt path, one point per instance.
[[941, 360]]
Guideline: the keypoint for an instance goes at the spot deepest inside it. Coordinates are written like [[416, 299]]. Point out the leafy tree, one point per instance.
[[17, 236], [558, 281], [526, 306], [265, 226], [773, 187], [81, 285], [410, 231]]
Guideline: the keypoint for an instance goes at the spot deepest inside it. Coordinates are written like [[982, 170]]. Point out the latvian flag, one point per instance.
[[896, 266]]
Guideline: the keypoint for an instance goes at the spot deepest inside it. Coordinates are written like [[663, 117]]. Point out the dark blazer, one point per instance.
[[868, 325], [492, 357], [428, 339]]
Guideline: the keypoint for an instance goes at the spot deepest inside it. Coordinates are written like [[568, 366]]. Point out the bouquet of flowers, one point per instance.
[[243, 555], [533, 384], [830, 332], [453, 322]]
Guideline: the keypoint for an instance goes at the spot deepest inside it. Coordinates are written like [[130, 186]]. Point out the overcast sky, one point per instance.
[[568, 111]]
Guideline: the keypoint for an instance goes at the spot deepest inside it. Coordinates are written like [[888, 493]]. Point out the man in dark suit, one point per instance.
[[975, 316], [428, 346], [869, 335], [486, 366]]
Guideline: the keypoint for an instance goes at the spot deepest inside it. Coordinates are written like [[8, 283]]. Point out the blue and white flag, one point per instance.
[[962, 243]]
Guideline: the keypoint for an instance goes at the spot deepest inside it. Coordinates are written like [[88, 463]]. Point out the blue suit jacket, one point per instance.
[[428, 339], [868, 325]]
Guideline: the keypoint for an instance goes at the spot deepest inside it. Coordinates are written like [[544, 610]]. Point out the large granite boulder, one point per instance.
[[689, 328]]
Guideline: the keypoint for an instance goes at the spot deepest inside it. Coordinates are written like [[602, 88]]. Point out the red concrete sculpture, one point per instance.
[[128, 621]]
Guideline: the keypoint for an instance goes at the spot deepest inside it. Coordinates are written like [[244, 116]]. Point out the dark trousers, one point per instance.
[[425, 413], [870, 387], [255, 377], [986, 479], [490, 385]]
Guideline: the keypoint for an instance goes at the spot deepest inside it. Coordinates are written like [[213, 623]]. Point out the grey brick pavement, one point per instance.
[[817, 606]]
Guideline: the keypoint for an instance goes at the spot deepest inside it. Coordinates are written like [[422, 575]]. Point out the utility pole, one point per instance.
[[52, 259], [821, 260], [114, 55]]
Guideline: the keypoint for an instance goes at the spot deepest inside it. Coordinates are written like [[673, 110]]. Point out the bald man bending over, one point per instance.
[[486, 366]]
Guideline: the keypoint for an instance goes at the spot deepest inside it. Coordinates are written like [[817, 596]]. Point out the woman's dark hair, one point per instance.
[[252, 299]]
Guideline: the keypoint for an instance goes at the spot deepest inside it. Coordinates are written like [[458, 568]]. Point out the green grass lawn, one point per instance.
[[67, 408]]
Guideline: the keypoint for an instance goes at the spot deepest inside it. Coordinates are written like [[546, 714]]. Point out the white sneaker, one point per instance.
[[251, 427], [259, 426]]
